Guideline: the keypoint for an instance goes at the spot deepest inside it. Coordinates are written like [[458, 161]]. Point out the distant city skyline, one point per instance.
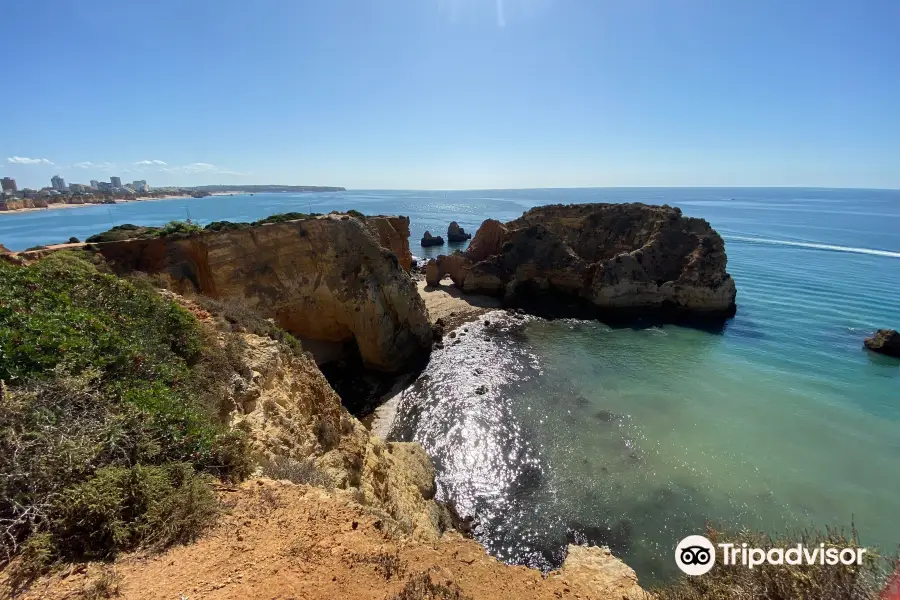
[[458, 94], [58, 184]]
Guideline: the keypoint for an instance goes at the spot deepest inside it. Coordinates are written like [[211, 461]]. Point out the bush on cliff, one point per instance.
[[178, 227], [282, 217], [123, 232], [110, 415], [226, 226]]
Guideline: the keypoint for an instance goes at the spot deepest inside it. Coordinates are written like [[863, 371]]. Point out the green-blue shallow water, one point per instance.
[[637, 437]]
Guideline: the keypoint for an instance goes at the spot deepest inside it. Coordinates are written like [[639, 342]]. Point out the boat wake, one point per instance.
[[814, 246]]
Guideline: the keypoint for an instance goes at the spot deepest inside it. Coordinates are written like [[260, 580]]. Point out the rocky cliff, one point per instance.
[[393, 234], [333, 278], [606, 259]]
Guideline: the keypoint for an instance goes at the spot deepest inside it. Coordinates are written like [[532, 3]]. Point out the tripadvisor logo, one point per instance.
[[696, 555]]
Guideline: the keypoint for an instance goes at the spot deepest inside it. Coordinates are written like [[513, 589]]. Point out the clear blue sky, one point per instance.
[[437, 94]]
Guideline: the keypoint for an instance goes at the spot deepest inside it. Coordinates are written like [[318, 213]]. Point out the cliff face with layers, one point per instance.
[[614, 258], [333, 278]]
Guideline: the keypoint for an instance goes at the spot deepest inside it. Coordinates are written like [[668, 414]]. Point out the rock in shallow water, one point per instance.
[[455, 233], [885, 341], [430, 240]]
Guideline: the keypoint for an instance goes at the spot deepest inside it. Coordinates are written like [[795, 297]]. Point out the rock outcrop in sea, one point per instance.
[[455, 233], [885, 341], [332, 278], [605, 260], [430, 240]]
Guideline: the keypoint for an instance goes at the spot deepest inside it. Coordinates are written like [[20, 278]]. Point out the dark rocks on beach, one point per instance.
[[430, 240], [885, 341], [455, 233]]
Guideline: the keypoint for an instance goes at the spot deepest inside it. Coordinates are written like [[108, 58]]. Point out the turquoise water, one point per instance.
[[637, 437]]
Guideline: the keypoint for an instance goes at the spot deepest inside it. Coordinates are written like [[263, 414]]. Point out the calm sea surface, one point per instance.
[[637, 437]]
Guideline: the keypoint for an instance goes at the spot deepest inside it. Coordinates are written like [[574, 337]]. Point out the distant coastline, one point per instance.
[[65, 205], [28, 204]]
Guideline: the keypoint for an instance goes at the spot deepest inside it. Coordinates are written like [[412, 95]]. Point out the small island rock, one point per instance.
[[430, 240], [885, 341], [455, 233]]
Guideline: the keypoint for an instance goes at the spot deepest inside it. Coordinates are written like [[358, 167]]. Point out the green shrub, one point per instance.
[[127, 231], [61, 310], [282, 217], [225, 226], [178, 227], [356, 213], [37, 555], [111, 415], [122, 508]]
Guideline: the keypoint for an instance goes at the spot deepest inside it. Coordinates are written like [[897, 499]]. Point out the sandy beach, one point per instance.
[[448, 303], [59, 206]]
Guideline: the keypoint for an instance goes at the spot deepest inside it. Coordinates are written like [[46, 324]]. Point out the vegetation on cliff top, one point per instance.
[[129, 231], [110, 416]]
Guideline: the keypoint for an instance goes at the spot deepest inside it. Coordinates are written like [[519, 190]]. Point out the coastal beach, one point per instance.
[[61, 205]]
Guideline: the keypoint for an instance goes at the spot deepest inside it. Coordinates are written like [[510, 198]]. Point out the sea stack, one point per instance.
[[602, 260], [885, 341], [430, 240], [455, 233]]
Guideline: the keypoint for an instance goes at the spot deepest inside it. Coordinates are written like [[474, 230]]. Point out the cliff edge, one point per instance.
[[332, 278]]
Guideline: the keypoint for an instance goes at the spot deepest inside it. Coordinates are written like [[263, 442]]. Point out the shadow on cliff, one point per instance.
[[361, 390], [552, 304]]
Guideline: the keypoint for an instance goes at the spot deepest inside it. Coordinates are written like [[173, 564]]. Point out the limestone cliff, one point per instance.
[[298, 428], [393, 234], [615, 259], [329, 279]]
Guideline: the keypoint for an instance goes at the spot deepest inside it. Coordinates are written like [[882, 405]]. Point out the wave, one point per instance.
[[813, 246]]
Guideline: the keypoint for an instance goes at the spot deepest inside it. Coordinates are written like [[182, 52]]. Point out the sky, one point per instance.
[[452, 94]]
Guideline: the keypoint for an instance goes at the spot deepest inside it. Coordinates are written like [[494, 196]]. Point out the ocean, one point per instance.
[[637, 437]]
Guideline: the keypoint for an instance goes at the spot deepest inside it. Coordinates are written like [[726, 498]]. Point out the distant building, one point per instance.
[[104, 186], [9, 185], [141, 186], [76, 188], [58, 183], [116, 182], [95, 184], [29, 193]]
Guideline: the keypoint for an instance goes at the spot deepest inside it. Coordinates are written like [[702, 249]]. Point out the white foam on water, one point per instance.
[[814, 246]]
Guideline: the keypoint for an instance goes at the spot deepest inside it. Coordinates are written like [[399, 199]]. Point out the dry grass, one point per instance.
[[296, 471], [423, 587], [103, 587]]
